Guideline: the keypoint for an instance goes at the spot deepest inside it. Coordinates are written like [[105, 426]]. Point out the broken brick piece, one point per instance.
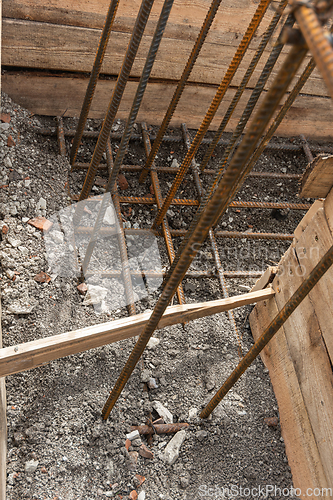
[[145, 452], [140, 479], [4, 229], [5, 118], [42, 277], [82, 288], [133, 495], [41, 223], [10, 142], [128, 443], [271, 421], [122, 182]]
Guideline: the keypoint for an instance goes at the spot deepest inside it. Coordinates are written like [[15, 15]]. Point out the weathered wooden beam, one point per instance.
[[265, 279], [29, 355], [317, 179], [60, 95]]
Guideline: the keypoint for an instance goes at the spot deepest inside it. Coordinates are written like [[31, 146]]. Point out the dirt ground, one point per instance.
[[58, 445]]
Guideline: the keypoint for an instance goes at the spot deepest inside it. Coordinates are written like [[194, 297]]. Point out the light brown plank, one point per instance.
[[67, 48], [307, 218], [54, 96], [306, 328], [32, 354], [317, 179], [265, 279], [301, 447], [328, 207]]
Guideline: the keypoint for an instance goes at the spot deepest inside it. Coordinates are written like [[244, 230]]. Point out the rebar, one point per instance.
[[111, 14], [279, 320], [61, 136], [236, 60], [131, 52], [181, 85], [256, 92], [190, 274], [129, 125], [217, 204], [306, 149]]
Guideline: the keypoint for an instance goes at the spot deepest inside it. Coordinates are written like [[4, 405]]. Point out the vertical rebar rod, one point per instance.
[[61, 136], [306, 148], [218, 203], [317, 38], [224, 85], [129, 126], [256, 92], [218, 264], [117, 94], [111, 14], [181, 85], [159, 200], [279, 320]]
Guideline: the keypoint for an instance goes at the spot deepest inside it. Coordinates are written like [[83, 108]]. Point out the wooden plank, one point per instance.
[[51, 95], [317, 179], [3, 428], [32, 354], [307, 218], [301, 447], [265, 279], [307, 328], [328, 207], [38, 45]]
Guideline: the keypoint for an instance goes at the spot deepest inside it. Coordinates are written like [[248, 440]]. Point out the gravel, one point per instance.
[[58, 445]]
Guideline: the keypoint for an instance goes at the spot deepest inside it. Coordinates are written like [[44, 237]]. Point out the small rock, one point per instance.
[[31, 466], [136, 442], [133, 495], [95, 294], [133, 457], [153, 342], [122, 182], [127, 444], [145, 452], [163, 412], [190, 287], [14, 176], [27, 183], [41, 205], [4, 127], [174, 163], [110, 217], [5, 118], [20, 308], [82, 288], [41, 223], [25, 219], [184, 481], [13, 242], [145, 376], [10, 142], [142, 495], [4, 229], [57, 237], [201, 435], [271, 421], [133, 435], [139, 479], [152, 384], [171, 452], [8, 162], [192, 413], [42, 277]]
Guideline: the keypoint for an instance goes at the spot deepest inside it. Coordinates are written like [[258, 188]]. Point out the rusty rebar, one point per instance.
[[111, 14], [224, 85], [117, 94], [61, 136], [306, 149], [279, 320], [145, 430], [256, 92], [181, 85], [217, 204], [159, 200], [191, 274]]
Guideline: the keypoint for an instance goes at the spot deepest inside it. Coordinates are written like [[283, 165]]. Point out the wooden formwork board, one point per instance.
[[300, 356]]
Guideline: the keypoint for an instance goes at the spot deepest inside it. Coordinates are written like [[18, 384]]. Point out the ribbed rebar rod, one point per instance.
[[181, 85], [235, 62], [111, 14], [130, 122], [306, 149], [265, 74], [159, 200], [189, 274], [317, 38], [118, 91], [218, 203], [61, 136], [218, 264], [279, 320]]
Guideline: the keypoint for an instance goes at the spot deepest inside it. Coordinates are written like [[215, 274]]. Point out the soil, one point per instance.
[[59, 447]]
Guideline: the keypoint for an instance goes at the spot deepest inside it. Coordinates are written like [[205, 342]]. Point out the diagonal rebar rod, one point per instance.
[[181, 85], [129, 125], [279, 320], [212, 239], [111, 14], [217, 204], [117, 94], [224, 85], [257, 91]]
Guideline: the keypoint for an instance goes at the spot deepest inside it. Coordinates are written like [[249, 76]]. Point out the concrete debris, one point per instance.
[[41, 223], [163, 412], [31, 466], [110, 216], [20, 308], [174, 163], [133, 435], [122, 182], [142, 495], [171, 452], [95, 295], [153, 342], [41, 205], [145, 452], [145, 376], [152, 384], [13, 242]]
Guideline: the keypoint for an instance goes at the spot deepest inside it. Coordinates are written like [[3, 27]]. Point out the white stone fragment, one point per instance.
[[109, 216], [13, 242], [153, 342], [133, 435], [41, 205], [174, 163], [142, 495], [7, 162], [57, 237], [95, 294], [31, 466], [171, 452], [25, 219], [192, 413], [163, 412], [20, 308]]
